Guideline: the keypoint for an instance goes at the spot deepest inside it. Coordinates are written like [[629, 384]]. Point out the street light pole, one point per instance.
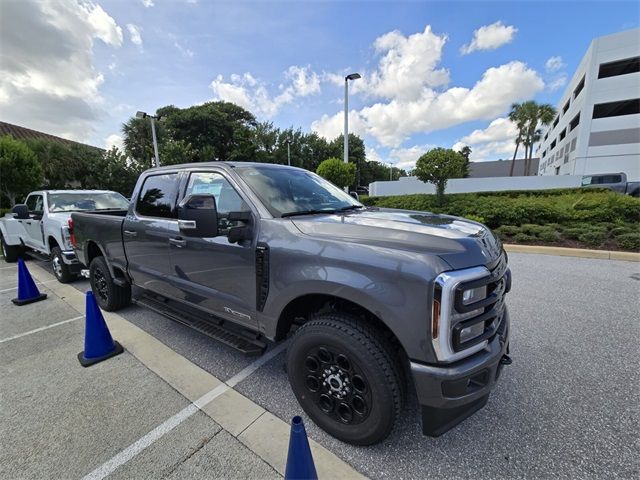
[[288, 142], [155, 141], [352, 76], [153, 133]]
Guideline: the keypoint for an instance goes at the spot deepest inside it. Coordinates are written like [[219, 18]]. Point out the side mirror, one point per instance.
[[20, 211], [355, 195], [198, 217]]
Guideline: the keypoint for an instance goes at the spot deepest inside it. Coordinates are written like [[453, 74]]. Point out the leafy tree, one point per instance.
[[437, 166], [58, 166], [357, 154], [337, 172], [20, 171]]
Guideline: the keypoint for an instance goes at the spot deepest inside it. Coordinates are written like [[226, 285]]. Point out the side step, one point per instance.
[[217, 329]]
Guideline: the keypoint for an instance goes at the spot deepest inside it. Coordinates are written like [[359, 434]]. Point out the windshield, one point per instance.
[[286, 191], [77, 202]]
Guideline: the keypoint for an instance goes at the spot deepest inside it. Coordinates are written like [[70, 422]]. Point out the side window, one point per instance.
[[158, 196], [34, 204], [227, 199]]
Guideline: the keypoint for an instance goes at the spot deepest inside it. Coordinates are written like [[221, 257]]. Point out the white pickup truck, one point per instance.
[[41, 225]]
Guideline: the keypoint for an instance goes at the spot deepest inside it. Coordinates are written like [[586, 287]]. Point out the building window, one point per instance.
[[566, 106], [617, 109], [563, 134], [546, 136], [557, 170], [579, 88], [555, 122], [574, 123], [553, 145], [573, 144], [544, 154], [620, 67]]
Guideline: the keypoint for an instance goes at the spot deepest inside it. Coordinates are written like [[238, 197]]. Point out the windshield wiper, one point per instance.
[[350, 207], [306, 212]]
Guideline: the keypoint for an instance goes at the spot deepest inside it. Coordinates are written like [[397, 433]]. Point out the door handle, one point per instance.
[[130, 233], [178, 242], [28, 223]]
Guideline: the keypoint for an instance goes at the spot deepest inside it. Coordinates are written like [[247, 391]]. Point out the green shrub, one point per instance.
[[523, 238], [629, 241], [549, 236], [507, 230], [594, 238]]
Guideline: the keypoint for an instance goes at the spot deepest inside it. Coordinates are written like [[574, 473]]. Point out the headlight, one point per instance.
[[474, 295], [471, 332]]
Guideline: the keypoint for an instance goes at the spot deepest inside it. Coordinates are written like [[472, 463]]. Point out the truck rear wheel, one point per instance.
[[11, 253], [109, 296], [60, 269], [346, 377]]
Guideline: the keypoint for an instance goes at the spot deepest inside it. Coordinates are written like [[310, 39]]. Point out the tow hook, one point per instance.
[[506, 360]]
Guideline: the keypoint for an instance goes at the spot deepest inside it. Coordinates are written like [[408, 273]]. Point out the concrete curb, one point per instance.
[[261, 432], [574, 252]]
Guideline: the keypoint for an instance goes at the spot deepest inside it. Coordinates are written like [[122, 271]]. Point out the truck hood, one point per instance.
[[459, 242]]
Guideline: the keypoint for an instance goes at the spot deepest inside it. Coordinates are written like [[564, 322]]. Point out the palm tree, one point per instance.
[[529, 117], [516, 115]]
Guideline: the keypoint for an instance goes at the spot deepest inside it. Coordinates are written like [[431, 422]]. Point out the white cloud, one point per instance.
[[553, 64], [395, 121], [47, 78], [134, 34], [495, 141], [252, 94], [147, 3], [558, 83], [490, 37], [406, 157], [114, 140], [185, 51], [105, 27]]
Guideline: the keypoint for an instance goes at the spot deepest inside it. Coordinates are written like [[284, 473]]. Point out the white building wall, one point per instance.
[[411, 185], [583, 159]]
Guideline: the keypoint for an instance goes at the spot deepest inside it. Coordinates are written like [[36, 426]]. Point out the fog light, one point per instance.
[[474, 295], [471, 332]]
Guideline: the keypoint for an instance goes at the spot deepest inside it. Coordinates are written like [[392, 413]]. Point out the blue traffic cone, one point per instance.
[[299, 461], [98, 344], [27, 290]]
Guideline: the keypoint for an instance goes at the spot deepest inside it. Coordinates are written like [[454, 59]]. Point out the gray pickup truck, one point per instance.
[[252, 253]]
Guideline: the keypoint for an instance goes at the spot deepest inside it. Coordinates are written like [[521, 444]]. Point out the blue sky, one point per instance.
[[285, 61]]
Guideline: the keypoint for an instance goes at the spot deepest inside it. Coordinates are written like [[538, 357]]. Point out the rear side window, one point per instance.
[[158, 196]]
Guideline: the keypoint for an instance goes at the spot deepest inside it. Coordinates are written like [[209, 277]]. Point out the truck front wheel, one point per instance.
[[346, 377], [11, 253], [60, 269], [107, 293]]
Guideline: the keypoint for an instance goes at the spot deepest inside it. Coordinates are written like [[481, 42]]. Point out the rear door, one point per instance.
[[33, 226], [146, 232], [212, 273]]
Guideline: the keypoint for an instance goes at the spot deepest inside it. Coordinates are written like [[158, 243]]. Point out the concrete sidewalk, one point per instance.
[[148, 413]]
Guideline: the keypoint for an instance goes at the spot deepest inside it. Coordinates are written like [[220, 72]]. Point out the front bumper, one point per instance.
[[71, 260], [449, 394]]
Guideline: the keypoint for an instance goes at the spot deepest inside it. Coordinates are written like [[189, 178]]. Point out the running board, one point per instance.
[[231, 336]]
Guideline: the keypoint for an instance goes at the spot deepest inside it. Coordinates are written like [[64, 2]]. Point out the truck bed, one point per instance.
[[102, 229]]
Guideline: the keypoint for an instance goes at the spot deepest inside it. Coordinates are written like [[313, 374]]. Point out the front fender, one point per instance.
[[12, 231]]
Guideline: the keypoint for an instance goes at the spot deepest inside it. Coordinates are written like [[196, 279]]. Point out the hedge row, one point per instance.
[[518, 208], [570, 217]]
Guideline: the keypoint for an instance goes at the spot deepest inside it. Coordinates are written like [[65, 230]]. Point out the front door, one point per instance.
[[212, 273], [33, 225], [146, 233]]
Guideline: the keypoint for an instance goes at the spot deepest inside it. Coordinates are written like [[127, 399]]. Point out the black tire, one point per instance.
[[60, 269], [346, 377], [11, 253], [110, 297]]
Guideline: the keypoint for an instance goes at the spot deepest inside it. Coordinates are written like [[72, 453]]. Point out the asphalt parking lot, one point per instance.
[[566, 408]]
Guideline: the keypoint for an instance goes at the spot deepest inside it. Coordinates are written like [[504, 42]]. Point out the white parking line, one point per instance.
[[40, 329], [138, 446], [37, 283]]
